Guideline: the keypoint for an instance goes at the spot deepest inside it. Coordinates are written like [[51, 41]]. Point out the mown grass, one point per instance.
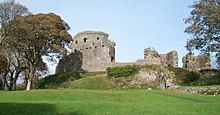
[[132, 101]]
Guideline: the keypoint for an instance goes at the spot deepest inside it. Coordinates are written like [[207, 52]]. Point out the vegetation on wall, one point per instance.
[[93, 82], [183, 76], [123, 71]]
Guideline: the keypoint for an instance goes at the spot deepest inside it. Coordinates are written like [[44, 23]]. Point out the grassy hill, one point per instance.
[[132, 101]]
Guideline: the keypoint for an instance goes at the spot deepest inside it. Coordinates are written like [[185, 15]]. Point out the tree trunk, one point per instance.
[[14, 80], [28, 84], [31, 75], [12, 75], [6, 87]]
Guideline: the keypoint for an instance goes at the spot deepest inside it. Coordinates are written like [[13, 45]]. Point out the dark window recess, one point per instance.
[[95, 46], [75, 50], [112, 59], [87, 48], [85, 39], [103, 45], [97, 38], [76, 42], [90, 47]]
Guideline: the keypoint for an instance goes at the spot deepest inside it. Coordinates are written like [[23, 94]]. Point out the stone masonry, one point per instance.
[[151, 56], [93, 51], [192, 62], [98, 52]]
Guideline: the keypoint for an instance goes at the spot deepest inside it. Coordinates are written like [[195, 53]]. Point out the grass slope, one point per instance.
[[136, 101]]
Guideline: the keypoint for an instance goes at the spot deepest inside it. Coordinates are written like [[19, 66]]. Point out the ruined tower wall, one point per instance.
[[192, 62], [151, 56], [97, 50], [169, 59]]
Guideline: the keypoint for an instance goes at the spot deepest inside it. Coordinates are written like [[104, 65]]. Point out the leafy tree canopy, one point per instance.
[[37, 35], [204, 26]]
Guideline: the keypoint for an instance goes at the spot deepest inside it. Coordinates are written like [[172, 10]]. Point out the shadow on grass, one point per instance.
[[30, 108]]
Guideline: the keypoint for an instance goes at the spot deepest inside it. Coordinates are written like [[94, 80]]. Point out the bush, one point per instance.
[[190, 77], [124, 71], [94, 82], [57, 80], [183, 76], [208, 80], [208, 72]]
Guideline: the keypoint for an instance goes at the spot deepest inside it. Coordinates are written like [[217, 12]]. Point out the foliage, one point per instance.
[[57, 80], [93, 82], [206, 80], [201, 78], [123, 82], [190, 77], [150, 67], [204, 26], [96, 102], [209, 72], [218, 62], [124, 71], [183, 76], [34, 36], [10, 10], [3, 64]]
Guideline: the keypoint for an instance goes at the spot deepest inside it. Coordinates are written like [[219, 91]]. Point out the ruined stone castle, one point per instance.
[[94, 51], [192, 62], [151, 56]]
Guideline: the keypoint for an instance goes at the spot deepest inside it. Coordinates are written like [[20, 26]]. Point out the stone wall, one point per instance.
[[98, 52], [151, 56], [192, 62]]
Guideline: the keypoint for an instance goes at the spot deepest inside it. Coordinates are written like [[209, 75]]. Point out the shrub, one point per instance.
[[208, 72], [57, 80], [94, 82], [208, 80], [179, 74], [183, 76], [124, 71], [190, 77]]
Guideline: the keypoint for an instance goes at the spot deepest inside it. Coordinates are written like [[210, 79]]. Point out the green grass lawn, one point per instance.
[[103, 102]]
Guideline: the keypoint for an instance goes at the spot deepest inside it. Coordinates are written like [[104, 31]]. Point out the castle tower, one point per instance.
[[98, 52], [151, 56], [192, 62]]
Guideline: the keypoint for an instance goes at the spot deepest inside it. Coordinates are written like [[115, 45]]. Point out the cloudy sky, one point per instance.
[[132, 24]]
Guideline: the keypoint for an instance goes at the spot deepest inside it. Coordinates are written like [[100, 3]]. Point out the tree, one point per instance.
[[218, 62], [34, 36], [204, 26], [3, 64], [10, 10]]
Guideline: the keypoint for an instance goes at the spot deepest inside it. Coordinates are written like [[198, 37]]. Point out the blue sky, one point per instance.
[[132, 24]]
